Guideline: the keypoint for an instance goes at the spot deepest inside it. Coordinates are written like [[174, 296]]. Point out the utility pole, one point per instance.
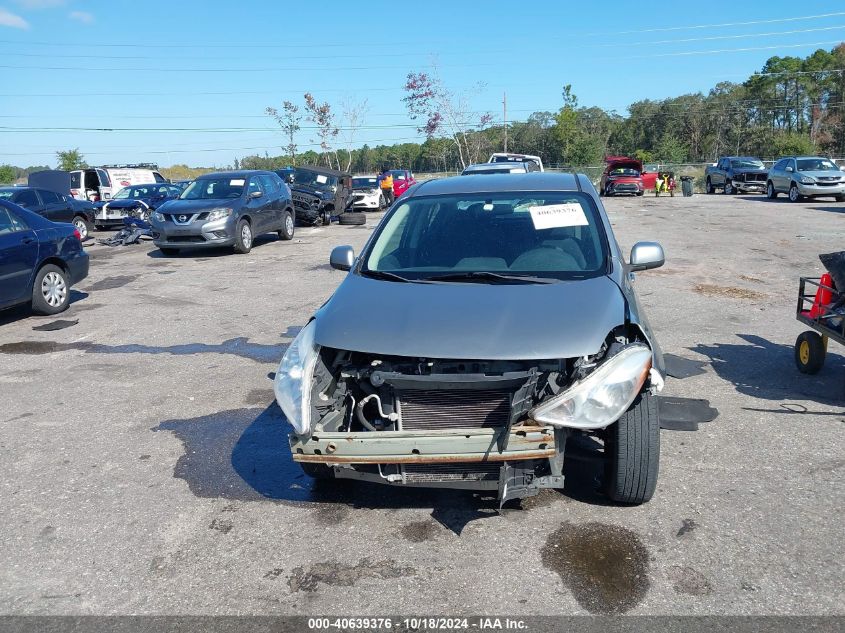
[[505, 117]]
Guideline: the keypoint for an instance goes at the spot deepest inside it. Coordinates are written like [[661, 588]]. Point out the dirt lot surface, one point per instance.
[[144, 468]]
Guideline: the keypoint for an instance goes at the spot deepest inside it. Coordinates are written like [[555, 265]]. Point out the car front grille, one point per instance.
[[755, 177], [428, 473], [431, 410]]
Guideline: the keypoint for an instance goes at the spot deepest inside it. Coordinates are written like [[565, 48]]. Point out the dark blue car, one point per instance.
[[135, 200], [39, 260]]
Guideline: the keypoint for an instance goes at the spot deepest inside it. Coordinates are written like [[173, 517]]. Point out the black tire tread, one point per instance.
[[634, 455], [352, 218], [817, 353], [39, 305]]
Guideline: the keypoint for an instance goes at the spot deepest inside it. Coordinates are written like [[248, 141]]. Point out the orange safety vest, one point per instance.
[[387, 182]]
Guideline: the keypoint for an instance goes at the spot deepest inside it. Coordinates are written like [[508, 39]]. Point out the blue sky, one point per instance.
[[208, 66]]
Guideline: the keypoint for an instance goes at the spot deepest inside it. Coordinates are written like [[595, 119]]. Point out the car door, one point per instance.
[[275, 206], [258, 207], [56, 208], [18, 256], [28, 199], [718, 177]]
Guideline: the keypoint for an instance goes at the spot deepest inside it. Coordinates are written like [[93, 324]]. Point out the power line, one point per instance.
[[732, 50], [724, 37], [726, 24]]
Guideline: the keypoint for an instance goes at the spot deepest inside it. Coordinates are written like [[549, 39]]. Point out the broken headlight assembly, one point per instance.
[[598, 400], [292, 385]]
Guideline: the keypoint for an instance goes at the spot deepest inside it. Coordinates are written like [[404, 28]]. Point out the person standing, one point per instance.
[[387, 187]]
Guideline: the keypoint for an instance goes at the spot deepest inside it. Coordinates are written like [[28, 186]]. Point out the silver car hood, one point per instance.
[[826, 174], [471, 320]]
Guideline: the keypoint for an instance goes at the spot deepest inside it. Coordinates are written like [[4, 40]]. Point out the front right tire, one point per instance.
[[632, 450]]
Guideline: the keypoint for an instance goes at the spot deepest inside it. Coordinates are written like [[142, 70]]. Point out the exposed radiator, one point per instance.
[[429, 410], [479, 471]]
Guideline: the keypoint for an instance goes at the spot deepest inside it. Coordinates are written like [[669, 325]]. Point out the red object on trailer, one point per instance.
[[824, 296]]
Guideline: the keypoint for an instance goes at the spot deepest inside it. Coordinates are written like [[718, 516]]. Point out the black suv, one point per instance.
[[319, 193]]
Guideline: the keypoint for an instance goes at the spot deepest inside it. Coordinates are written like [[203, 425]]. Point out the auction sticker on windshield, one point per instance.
[[552, 216], [322, 179], [236, 182]]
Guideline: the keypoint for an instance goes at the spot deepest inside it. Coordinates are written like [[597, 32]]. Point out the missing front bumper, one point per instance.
[[426, 447]]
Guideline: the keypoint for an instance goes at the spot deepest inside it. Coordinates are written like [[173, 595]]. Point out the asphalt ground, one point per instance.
[[144, 468]]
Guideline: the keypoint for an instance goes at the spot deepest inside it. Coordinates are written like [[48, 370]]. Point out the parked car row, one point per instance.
[[798, 177]]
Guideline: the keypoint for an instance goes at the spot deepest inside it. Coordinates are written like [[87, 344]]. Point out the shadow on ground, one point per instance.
[[766, 370], [243, 454]]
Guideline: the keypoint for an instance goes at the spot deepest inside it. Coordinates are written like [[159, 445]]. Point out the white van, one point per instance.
[[100, 183]]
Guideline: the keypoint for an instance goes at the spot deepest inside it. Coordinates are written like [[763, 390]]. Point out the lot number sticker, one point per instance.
[[236, 182], [552, 216], [322, 179]]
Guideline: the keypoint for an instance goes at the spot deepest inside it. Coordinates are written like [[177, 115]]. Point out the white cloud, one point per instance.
[[81, 16], [14, 21], [40, 4]]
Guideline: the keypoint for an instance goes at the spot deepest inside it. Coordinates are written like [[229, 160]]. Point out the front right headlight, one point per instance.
[[598, 400], [292, 385]]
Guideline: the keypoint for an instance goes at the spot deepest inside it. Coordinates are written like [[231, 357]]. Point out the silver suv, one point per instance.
[[806, 177]]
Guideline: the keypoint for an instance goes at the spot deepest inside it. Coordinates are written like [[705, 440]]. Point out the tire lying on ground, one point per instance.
[[353, 218]]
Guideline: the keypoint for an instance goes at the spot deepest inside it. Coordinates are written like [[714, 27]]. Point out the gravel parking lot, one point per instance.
[[145, 470]]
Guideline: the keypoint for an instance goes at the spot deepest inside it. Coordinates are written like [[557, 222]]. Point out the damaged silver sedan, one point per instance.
[[486, 324]]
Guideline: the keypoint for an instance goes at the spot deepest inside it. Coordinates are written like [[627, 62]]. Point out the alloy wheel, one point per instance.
[[246, 236], [289, 225], [82, 227], [54, 289]]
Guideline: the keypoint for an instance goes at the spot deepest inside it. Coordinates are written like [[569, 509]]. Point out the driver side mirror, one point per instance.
[[646, 255], [342, 258], [255, 194], [789, 169]]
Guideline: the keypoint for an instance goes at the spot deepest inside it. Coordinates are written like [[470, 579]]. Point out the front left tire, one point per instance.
[[243, 237], [50, 291], [632, 451]]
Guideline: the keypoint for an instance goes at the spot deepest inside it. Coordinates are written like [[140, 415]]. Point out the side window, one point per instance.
[[791, 163], [780, 165], [6, 225], [268, 184], [75, 179], [49, 197], [103, 175], [27, 198], [253, 185], [158, 177]]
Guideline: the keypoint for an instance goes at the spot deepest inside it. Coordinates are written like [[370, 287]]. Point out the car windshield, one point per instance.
[[220, 188], [519, 234], [816, 164], [367, 182], [624, 171], [6, 194], [314, 179], [747, 163], [136, 192]]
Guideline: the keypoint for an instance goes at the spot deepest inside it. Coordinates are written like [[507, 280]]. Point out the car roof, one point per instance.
[[534, 181], [325, 170], [242, 173]]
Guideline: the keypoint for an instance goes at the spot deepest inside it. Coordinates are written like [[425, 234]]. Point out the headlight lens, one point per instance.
[[157, 217], [806, 180], [218, 214], [293, 379], [599, 399]]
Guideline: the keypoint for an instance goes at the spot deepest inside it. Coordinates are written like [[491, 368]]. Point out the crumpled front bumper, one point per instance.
[[426, 447]]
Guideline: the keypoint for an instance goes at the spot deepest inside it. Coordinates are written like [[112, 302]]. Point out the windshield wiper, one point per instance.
[[490, 277], [384, 275]]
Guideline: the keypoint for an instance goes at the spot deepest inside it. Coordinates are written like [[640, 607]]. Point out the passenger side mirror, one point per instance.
[[789, 169], [342, 258], [646, 255], [255, 194]]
